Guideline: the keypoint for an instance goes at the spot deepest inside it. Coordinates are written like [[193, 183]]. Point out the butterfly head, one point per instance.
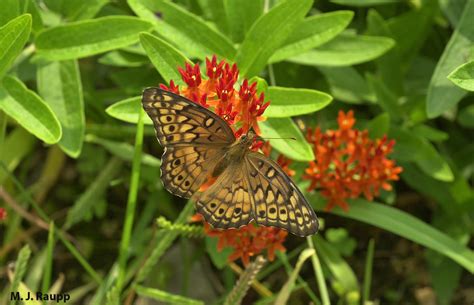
[[247, 139]]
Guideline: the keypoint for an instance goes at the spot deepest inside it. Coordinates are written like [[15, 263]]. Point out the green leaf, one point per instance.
[[123, 150], [430, 133], [13, 37], [284, 294], [127, 110], [220, 259], [164, 296], [84, 204], [241, 14], [17, 145], [379, 126], [196, 29], [365, 2], [411, 147], [463, 76], [313, 32], [405, 225], [164, 57], [89, 37], [442, 94], [385, 98], [347, 84], [346, 50], [339, 268], [59, 83], [123, 58], [285, 128], [268, 33], [466, 116], [10, 10], [29, 110], [286, 102]]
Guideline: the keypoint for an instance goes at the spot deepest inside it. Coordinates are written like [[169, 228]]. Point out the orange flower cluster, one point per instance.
[[348, 163], [248, 240], [242, 109], [3, 214]]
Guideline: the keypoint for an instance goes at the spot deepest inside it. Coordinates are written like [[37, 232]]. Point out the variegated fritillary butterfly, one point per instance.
[[249, 186]]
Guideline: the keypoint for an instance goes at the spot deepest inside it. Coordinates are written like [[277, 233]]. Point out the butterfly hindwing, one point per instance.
[[179, 121], [277, 200], [227, 203]]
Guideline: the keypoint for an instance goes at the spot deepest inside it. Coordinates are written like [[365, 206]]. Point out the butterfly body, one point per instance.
[[248, 186]]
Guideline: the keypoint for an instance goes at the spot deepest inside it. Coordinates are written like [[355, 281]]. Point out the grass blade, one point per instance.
[[368, 272]]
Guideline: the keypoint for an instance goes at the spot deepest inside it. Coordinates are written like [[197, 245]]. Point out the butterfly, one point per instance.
[[249, 186]]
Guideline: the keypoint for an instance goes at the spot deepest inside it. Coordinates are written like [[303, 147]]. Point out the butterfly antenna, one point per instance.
[[290, 138]]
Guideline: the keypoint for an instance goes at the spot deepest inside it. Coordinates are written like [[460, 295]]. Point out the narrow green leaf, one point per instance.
[[268, 33], [59, 83], [13, 37], [196, 29], [241, 14], [297, 149], [127, 110], [83, 205], [286, 102], [405, 225], [29, 110], [338, 267], [164, 57], [313, 32], [442, 93], [48, 267], [284, 294], [217, 13], [369, 261], [463, 76], [164, 296], [347, 84], [318, 272], [452, 9], [123, 150], [89, 37], [346, 50]]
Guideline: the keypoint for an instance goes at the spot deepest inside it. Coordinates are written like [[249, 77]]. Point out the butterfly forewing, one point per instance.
[[193, 137], [179, 121], [277, 200]]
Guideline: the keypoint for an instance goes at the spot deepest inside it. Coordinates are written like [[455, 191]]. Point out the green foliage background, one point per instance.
[[79, 172]]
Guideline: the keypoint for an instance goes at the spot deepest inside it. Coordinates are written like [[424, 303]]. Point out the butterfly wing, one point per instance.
[[194, 139], [228, 202], [181, 122], [277, 200]]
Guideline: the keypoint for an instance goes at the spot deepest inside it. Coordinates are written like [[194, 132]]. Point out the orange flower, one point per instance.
[[247, 241], [348, 163], [3, 214], [242, 109]]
